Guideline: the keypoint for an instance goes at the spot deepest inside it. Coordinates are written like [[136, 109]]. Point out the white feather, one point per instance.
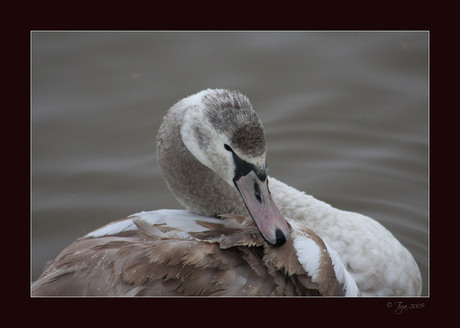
[[179, 219], [308, 254], [343, 276]]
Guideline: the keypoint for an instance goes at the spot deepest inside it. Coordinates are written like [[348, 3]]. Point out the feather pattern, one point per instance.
[[228, 258]]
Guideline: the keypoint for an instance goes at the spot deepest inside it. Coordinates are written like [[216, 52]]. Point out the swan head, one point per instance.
[[222, 131]]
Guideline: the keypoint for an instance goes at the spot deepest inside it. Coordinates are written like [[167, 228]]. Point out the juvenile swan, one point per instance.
[[215, 136], [211, 151]]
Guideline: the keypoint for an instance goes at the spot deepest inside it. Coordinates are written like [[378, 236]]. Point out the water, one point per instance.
[[345, 115]]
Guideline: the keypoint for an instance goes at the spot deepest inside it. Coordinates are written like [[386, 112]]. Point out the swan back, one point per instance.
[[179, 253]]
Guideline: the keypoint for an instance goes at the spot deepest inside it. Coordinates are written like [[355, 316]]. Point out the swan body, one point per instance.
[[175, 252], [211, 151], [377, 261]]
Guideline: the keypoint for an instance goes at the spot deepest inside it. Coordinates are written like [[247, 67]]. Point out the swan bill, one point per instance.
[[267, 217]]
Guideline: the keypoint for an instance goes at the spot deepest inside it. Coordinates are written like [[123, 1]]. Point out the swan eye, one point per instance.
[[227, 147]]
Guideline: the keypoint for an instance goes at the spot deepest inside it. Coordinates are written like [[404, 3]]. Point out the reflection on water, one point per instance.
[[345, 114]]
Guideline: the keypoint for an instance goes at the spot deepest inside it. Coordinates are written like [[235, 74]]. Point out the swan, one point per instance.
[[150, 254], [212, 155]]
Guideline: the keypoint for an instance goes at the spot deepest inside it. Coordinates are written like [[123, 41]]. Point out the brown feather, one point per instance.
[[228, 259]]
